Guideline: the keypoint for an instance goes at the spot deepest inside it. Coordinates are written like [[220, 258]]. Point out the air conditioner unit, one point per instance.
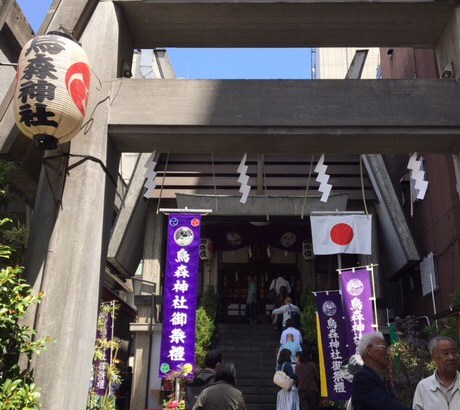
[[429, 275]]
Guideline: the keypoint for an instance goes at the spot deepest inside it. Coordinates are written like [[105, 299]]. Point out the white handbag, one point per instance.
[[282, 380]]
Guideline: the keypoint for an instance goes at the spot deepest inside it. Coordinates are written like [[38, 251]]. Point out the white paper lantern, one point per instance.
[[206, 249], [52, 89]]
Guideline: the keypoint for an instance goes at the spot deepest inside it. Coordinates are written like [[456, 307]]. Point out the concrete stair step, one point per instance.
[[241, 365], [248, 390], [247, 350], [253, 351], [245, 328], [252, 406], [245, 382], [247, 339], [254, 341], [260, 398], [247, 374]]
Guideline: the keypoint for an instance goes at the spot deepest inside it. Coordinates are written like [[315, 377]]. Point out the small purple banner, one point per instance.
[[101, 381], [357, 305], [333, 339], [180, 293]]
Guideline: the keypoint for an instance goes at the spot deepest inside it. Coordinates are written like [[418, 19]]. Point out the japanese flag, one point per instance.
[[341, 234]]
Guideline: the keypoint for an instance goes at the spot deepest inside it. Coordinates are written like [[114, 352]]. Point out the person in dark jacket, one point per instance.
[[308, 385], [203, 379], [371, 391], [223, 394]]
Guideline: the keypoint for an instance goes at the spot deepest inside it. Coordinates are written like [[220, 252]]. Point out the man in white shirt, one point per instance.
[[278, 283], [291, 330], [286, 310], [440, 391]]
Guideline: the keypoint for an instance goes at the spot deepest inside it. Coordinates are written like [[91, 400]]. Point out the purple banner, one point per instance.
[[357, 305], [333, 339], [100, 381], [180, 293]]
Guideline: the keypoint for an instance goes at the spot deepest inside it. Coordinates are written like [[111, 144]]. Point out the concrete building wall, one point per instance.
[[333, 62], [7, 73], [408, 63], [435, 223]]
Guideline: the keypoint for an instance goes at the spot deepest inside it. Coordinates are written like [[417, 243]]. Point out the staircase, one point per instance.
[[252, 349]]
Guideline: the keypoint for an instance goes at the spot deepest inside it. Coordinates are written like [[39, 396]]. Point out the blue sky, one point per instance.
[[293, 63]]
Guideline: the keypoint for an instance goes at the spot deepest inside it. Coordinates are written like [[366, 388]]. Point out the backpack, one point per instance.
[[272, 293], [195, 387], [295, 317]]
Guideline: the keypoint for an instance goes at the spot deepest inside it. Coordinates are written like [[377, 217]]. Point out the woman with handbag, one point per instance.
[[288, 396]]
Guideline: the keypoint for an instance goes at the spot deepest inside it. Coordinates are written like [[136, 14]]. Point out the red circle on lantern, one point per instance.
[[342, 234], [77, 80]]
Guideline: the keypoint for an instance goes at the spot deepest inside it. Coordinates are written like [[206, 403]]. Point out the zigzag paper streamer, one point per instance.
[[243, 180], [418, 175], [323, 178], [150, 175]]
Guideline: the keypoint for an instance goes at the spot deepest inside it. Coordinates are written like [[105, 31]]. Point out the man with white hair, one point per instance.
[[442, 389], [370, 390]]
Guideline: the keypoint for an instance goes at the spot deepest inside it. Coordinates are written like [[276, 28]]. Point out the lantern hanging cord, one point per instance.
[[264, 176], [58, 202], [307, 187], [84, 158], [88, 124], [214, 178], [68, 33], [162, 182], [362, 183]]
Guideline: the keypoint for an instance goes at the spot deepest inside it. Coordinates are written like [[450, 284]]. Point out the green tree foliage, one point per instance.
[[205, 328], [17, 389], [18, 394], [206, 323], [409, 357], [210, 301], [308, 320], [7, 169], [408, 366]]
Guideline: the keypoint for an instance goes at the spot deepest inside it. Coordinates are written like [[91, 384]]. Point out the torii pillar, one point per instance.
[[448, 55], [76, 252]]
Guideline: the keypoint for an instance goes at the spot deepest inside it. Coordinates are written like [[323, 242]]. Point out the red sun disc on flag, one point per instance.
[[342, 234]]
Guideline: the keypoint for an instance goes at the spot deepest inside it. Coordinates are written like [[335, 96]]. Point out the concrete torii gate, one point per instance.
[[68, 246]]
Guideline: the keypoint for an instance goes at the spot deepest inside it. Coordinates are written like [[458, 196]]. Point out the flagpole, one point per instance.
[[337, 213], [374, 297]]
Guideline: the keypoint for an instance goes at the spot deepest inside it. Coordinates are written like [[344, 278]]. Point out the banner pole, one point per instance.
[[353, 268], [374, 297], [316, 292], [112, 305]]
